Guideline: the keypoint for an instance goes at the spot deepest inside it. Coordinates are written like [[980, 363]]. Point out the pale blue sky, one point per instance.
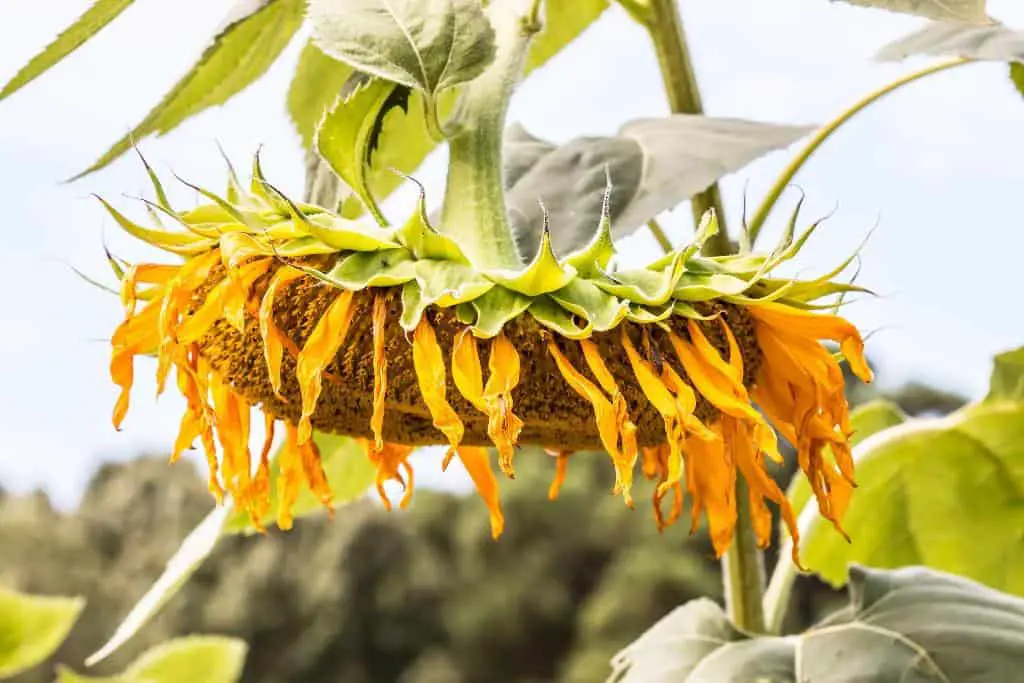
[[939, 164]]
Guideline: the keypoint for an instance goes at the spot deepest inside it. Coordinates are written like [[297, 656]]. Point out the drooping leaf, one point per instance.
[[947, 493], [970, 11], [1007, 383], [1017, 76], [911, 624], [350, 131], [210, 659], [429, 45], [993, 42], [253, 36], [32, 627], [564, 21], [92, 21], [654, 164]]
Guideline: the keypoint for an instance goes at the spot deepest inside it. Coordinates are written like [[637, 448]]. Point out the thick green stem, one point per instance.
[[474, 211], [665, 25], [742, 565], [743, 569], [823, 134]]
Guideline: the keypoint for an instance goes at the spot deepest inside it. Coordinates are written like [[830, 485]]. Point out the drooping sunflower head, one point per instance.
[[689, 367]]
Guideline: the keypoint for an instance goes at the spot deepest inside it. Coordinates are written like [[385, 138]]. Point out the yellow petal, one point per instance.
[[503, 426], [711, 480], [289, 479], [478, 464], [273, 343], [625, 458], [428, 362], [390, 459], [561, 469], [380, 369], [313, 469], [320, 349]]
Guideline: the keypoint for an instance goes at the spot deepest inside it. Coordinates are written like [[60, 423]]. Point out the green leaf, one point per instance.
[[993, 42], [907, 625], [971, 11], [1017, 76], [210, 659], [405, 141], [32, 627], [316, 84], [564, 21], [242, 51], [947, 493], [653, 164], [1007, 383], [430, 45], [350, 131], [349, 473], [92, 21]]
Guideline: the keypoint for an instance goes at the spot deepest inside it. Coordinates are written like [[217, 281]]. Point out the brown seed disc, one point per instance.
[[554, 415]]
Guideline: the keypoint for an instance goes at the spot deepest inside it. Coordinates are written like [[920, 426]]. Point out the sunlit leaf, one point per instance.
[[429, 45], [92, 21], [316, 84], [911, 624], [32, 627], [253, 36], [972, 11], [210, 659], [945, 492], [564, 21]]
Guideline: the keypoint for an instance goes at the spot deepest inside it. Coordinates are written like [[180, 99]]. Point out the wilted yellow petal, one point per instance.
[[233, 432], [289, 479], [273, 344], [561, 469], [428, 362], [148, 273], [236, 297], [316, 479], [478, 464], [320, 349], [795, 321], [503, 426], [624, 459], [380, 370], [711, 481], [227, 299], [389, 459]]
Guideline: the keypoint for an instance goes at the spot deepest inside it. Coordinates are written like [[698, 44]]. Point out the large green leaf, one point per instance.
[[254, 35], [970, 11], [947, 493], [32, 627], [993, 42], [653, 164], [405, 141], [430, 45], [909, 625], [92, 21], [349, 473], [210, 659]]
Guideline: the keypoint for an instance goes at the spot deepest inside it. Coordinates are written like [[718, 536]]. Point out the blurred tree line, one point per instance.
[[423, 596]]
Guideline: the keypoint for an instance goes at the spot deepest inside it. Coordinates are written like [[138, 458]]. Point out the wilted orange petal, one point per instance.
[[503, 426], [625, 458], [561, 468], [289, 479], [236, 297], [273, 343], [478, 464], [316, 478], [710, 354], [819, 326], [711, 480], [428, 362], [148, 273], [320, 349], [380, 370]]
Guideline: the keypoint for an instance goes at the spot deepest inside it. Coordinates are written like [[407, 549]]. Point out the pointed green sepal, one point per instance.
[[552, 316], [586, 299], [543, 275]]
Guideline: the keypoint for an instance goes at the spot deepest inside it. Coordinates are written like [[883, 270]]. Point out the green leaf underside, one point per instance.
[[240, 54], [653, 165], [947, 493], [430, 45], [32, 627], [210, 659], [993, 42], [906, 625], [970, 11], [92, 21], [350, 474]]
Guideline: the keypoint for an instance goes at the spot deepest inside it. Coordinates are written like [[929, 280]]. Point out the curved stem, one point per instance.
[[823, 134], [659, 234], [474, 210], [663, 22], [743, 569]]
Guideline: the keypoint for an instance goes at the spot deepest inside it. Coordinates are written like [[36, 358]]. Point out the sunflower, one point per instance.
[[689, 366]]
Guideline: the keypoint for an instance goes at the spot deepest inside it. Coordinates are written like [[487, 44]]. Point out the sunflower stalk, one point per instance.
[[742, 564], [474, 212]]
